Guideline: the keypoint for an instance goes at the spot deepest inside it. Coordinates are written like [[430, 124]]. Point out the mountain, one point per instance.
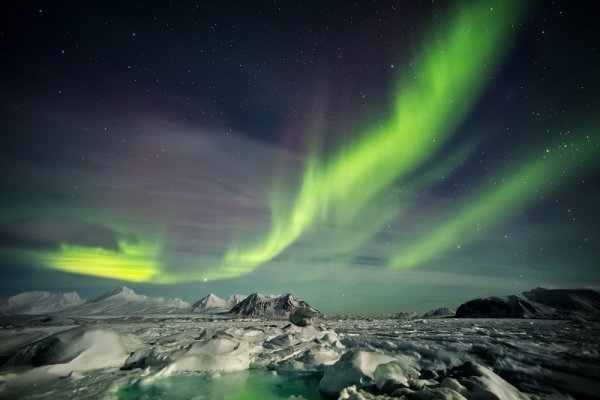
[[210, 303], [567, 300], [406, 315], [124, 301], [214, 304], [259, 305], [443, 312], [119, 301], [39, 302], [536, 303], [234, 299]]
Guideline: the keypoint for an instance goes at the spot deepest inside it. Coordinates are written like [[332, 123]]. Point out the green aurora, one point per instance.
[[455, 64], [344, 199]]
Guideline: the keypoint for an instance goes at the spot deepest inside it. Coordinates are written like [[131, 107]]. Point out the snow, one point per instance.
[[354, 367], [436, 358], [257, 304], [235, 299], [124, 301], [302, 315], [212, 302], [39, 302], [215, 355], [61, 355], [100, 356], [397, 371]]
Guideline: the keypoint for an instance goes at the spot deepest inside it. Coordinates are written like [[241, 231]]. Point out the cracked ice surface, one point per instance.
[[110, 358]]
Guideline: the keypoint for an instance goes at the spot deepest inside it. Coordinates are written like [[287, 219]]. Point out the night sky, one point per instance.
[[369, 156]]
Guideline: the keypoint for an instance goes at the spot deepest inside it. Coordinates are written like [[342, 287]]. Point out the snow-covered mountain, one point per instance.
[[443, 312], [406, 315], [39, 302], [124, 301], [215, 304], [119, 301], [260, 305], [536, 303], [235, 299], [210, 303]]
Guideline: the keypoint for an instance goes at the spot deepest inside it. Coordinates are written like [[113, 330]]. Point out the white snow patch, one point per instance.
[[354, 367]]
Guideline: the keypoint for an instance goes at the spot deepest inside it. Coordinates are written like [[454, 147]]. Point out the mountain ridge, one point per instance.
[[537, 303]]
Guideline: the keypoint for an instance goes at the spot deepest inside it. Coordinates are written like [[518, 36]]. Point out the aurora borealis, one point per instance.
[[411, 153]]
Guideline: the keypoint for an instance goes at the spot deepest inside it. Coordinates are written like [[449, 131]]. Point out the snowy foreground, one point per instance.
[[213, 357]]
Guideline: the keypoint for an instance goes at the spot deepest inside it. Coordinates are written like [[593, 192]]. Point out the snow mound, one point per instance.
[[353, 368], [60, 355], [482, 383], [398, 372], [215, 355], [39, 302], [82, 348], [468, 381]]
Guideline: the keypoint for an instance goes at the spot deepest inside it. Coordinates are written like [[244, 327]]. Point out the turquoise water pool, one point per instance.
[[243, 385]]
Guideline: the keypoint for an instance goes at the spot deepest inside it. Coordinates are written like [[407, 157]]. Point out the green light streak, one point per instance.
[[391, 204], [455, 63], [135, 263], [495, 203]]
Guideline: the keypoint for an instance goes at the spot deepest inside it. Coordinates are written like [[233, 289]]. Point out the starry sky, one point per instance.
[[368, 156]]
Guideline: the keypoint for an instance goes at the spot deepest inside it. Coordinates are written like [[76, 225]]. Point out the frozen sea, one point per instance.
[[205, 357]]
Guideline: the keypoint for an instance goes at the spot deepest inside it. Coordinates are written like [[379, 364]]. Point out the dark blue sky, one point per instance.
[[150, 143]]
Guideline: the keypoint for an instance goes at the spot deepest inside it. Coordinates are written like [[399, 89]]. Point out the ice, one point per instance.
[[243, 385], [303, 316], [482, 383], [215, 355], [178, 354], [65, 354], [398, 372], [354, 367]]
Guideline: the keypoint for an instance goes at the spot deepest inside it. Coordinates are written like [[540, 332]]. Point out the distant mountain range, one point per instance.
[[124, 301], [443, 312], [40, 303], [537, 303]]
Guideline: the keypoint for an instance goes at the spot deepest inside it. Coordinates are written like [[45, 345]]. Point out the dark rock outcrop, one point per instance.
[[537, 303]]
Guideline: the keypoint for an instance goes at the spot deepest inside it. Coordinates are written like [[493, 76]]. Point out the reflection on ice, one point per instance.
[[243, 385]]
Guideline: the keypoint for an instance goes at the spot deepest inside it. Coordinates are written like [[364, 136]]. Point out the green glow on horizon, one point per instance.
[[135, 262], [454, 65], [517, 189]]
